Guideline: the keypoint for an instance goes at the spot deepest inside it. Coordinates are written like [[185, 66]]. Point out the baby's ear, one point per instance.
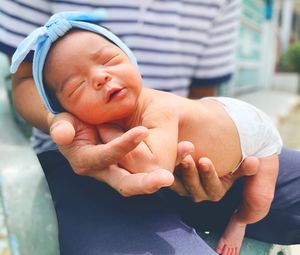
[[109, 132]]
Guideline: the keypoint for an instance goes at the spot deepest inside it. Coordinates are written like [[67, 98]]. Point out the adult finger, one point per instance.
[[109, 132], [116, 149], [184, 148], [249, 167], [212, 184], [128, 184], [191, 179], [88, 159], [178, 187], [63, 128]]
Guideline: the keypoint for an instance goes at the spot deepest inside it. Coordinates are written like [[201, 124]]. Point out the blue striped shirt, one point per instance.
[[176, 42]]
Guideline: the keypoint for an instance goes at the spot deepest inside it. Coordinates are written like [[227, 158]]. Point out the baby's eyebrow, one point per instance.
[[100, 51]]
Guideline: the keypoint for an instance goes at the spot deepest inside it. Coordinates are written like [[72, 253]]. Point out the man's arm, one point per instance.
[[196, 92], [27, 100]]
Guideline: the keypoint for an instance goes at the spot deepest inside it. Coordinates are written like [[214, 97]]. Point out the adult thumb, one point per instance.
[[62, 129]]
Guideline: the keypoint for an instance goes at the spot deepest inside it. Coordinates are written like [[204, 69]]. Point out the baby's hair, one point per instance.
[[53, 99]]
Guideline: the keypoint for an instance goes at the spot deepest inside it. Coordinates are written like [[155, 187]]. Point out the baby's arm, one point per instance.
[[157, 151]]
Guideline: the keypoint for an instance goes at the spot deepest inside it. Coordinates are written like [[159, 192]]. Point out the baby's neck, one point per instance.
[[133, 118]]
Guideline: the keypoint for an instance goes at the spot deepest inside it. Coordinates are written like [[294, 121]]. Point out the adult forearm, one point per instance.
[[196, 92], [27, 100], [249, 213]]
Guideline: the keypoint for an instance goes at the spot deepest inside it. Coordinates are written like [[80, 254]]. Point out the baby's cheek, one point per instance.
[[90, 115]]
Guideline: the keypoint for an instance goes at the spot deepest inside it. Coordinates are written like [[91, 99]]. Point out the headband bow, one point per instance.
[[41, 39]]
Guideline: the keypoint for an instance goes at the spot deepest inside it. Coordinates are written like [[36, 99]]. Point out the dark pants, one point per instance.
[[95, 219]]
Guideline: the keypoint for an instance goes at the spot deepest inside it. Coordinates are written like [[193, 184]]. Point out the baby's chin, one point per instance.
[[97, 119], [116, 113]]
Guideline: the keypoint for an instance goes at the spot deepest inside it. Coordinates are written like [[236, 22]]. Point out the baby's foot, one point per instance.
[[231, 241]]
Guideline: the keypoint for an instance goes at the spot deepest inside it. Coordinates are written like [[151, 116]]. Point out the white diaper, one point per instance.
[[258, 135]]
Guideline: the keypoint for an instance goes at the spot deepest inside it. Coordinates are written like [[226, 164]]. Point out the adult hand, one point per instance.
[[201, 181], [81, 145]]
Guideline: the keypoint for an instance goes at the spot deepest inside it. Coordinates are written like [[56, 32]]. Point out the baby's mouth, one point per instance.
[[111, 93]]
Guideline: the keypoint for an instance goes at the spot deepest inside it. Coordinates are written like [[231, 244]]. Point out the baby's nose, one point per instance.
[[101, 79]]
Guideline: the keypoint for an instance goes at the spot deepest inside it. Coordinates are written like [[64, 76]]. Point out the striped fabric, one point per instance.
[[176, 42]]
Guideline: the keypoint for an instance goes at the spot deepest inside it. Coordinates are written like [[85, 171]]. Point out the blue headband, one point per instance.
[[41, 39]]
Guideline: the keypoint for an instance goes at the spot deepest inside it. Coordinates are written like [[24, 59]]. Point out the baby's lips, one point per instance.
[[110, 92]]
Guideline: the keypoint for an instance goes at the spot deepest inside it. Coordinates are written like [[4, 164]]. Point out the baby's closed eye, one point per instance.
[[111, 60], [74, 88]]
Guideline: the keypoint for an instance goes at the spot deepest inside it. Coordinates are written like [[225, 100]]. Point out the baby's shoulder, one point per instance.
[[159, 105], [165, 100]]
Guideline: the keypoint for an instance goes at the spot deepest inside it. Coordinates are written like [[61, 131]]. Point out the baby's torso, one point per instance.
[[207, 125], [235, 131]]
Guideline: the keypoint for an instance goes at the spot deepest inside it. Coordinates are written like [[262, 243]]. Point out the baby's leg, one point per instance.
[[258, 195]]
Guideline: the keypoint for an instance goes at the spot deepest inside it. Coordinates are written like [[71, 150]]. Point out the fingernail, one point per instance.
[[139, 138], [185, 155], [54, 126], [204, 167]]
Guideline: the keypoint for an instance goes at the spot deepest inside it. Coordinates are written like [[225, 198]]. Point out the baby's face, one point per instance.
[[92, 78]]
